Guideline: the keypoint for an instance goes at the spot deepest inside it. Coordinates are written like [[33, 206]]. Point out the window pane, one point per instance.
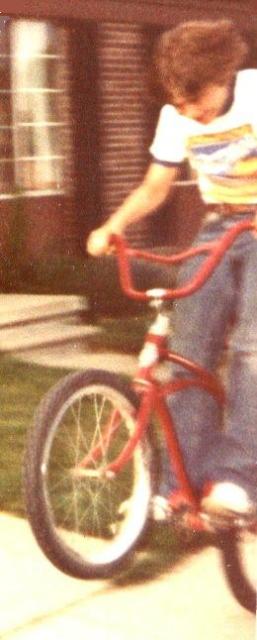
[[37, 139], [47, 109], [38, 71], [5, 142], [45, 174], [6, 175], [4, 35], [38, 97], [5, 109]]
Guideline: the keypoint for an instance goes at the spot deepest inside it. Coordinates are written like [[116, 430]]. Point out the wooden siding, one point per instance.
[[122, 115]]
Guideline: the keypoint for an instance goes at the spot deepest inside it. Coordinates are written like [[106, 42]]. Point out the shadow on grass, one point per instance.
[[161, 549]]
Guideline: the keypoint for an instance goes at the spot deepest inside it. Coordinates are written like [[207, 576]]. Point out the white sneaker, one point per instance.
[[160, 509], [225, 497]]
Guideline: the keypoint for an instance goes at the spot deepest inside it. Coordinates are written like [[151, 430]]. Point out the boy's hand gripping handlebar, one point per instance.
[[214, 253]]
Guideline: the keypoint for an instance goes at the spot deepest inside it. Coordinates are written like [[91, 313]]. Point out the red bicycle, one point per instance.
[[90, 463]]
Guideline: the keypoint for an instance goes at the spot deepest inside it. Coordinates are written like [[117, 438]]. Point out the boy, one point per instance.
[[211, 119]]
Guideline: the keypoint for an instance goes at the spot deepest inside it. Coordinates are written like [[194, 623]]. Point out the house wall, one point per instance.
[[158, 12], [106, 156]]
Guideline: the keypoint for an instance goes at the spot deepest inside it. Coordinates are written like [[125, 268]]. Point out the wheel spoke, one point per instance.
[[94, 519]]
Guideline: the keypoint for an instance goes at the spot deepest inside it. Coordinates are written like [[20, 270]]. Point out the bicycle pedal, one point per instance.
[[229, 520]]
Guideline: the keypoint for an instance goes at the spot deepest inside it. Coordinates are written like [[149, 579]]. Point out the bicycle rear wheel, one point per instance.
[[239, 556], [85, 520]]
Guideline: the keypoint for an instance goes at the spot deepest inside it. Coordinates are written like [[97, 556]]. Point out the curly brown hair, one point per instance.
[[197, 53]]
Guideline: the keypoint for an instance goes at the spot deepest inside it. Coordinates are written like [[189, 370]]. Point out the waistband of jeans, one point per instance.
[[214, 212]]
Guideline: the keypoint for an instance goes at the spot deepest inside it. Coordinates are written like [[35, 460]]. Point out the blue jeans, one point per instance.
[[219, 447]]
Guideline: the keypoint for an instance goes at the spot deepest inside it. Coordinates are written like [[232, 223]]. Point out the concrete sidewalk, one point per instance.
[[28, 321], [77, 356], [40, 603], [49, 330]]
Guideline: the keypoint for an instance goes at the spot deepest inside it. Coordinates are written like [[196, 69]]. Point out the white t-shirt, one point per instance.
[[223, 153]]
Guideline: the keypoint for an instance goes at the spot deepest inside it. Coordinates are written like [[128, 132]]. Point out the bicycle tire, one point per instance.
[[238, 551], [85, 523]]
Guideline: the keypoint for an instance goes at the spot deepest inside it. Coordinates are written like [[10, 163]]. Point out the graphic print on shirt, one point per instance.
[[226, 162]]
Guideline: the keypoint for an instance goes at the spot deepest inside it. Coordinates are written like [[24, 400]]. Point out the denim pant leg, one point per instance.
[[200, 327], [236, 458]]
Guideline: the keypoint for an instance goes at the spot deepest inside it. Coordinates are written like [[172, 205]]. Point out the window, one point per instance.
[[34, 108]]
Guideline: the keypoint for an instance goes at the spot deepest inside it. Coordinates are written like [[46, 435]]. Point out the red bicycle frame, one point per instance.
[[152, 392]]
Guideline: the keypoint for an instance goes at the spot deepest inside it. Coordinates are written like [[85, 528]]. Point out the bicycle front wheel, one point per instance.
[[86, 520]]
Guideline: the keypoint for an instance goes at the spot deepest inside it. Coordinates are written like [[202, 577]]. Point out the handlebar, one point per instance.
[[214, 250]]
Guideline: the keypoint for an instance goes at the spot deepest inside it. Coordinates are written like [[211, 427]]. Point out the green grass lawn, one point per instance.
[[123, 335], [22, 387]]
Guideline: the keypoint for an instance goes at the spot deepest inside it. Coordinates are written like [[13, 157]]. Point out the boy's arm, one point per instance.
[[151, 193]]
